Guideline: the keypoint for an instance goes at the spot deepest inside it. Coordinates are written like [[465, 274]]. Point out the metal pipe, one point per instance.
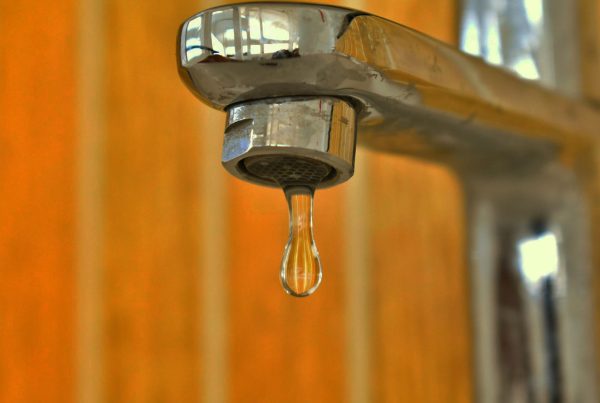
[[527, 157]]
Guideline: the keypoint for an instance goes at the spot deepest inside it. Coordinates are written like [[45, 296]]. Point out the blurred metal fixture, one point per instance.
[[537, 39], [527, 158]]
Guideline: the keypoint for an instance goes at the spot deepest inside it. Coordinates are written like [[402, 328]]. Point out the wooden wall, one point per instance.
[[135, 270], [37, 200]]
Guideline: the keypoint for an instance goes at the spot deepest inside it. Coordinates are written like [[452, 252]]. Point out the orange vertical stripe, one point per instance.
[[37, 138], [214, 281], [151, 209], [90, 242]]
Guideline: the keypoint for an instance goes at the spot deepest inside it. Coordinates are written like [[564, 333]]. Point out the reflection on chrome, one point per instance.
[[249, 32], [538, 304]]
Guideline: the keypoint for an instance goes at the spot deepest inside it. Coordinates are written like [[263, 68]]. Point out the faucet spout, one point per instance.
[[299, 80]]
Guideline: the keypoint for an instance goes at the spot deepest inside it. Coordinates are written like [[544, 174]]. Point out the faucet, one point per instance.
[[303, 84]]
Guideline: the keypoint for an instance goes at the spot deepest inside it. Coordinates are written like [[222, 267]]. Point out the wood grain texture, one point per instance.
[[151, 209], [421, 329], [37, 200]]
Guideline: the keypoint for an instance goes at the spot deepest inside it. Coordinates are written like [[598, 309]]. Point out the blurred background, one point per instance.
[[134, 269]]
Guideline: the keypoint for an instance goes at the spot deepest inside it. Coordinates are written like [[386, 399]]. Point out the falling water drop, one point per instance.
[[298, 177], [301, 271]]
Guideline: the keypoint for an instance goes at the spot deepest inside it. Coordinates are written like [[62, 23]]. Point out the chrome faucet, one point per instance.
[[298, 81]]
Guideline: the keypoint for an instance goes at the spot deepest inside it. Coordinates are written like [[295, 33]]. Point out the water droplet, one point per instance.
[[301, 270]]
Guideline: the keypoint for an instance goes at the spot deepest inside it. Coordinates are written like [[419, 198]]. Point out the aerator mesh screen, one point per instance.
[[287, 170]]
